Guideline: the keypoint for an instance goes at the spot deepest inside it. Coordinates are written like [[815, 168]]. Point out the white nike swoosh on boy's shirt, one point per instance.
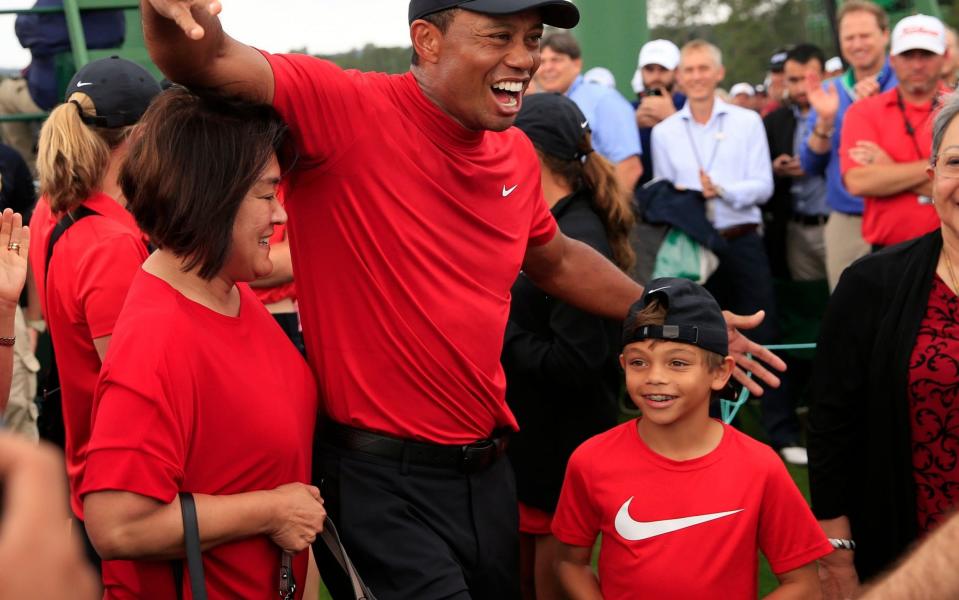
[[633, 531]]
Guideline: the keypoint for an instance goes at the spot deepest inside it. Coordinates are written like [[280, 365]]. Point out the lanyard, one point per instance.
[[910, 130], [692, 144]]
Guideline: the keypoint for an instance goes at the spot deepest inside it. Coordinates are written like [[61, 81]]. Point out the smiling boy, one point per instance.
[[681, 499]]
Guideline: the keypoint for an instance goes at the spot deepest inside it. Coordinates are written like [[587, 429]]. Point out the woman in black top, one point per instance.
[[562, 369]]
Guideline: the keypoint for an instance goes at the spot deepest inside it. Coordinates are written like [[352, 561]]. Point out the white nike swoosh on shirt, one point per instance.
[[507, 192], [634, 531]]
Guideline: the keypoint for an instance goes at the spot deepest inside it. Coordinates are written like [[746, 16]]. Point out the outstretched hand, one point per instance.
[[179, 11], [14, 245], [741, 347], [825, 100]]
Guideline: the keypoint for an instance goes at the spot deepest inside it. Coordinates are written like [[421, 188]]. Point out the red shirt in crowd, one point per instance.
[[407, 232], [889, 220], [41, 224], [934, 408], [193, 400], [734, 501], [90, 273]]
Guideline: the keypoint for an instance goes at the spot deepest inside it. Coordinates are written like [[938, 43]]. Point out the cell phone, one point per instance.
[[653, 92]]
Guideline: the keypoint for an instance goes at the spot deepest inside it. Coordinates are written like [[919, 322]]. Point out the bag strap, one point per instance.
[[287, 587], [194, 557], [332, 540], [65, 222]]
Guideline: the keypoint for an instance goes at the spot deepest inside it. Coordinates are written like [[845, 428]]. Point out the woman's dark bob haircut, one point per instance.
[[193, 159]]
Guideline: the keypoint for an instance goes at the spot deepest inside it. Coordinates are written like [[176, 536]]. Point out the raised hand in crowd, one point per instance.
[[824, 100], [869, 153], [787, 165], [40, 558], [654, 108], [14, 244]]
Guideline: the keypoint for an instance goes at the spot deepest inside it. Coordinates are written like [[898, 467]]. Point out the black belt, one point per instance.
[[809, 220], [738, 231], [467, 458]]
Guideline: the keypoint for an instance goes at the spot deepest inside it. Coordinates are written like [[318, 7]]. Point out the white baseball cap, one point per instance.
[[600, 75], [833, 64], [919, 32], [659, 52], [742, 88]]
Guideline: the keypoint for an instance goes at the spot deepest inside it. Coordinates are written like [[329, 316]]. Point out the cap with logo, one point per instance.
[[558, 13], [554, 124], [742, 88], [777, 62], [692, 316], [918, 32], [121, 91]]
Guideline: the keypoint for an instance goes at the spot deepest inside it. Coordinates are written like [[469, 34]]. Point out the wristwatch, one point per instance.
[[842, 544], [824, 135]]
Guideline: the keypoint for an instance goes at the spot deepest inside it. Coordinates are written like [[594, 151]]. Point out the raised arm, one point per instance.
[[185, 39], [575, 273]]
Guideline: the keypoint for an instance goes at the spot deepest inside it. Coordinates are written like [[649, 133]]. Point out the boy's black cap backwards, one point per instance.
[[692, 316]]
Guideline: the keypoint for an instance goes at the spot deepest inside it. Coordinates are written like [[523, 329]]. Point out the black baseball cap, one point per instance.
[[777, 62], [692, 316], [554, 124], [558, 13], [121, 91]]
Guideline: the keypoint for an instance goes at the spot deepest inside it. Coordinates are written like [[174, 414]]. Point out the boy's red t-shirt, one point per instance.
[[684, 529], [193, 400]]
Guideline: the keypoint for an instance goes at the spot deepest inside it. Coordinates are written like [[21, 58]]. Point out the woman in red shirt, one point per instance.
[[81, 147], [201, 391]]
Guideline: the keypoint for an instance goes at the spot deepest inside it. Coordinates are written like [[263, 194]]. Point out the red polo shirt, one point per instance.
[[888, 220], [90, 273]]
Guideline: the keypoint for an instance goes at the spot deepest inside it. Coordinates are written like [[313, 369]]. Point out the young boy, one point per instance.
[[682, 500]]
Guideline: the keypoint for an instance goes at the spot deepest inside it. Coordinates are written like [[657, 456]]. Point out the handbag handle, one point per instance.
[[332, 540], [194, 558]]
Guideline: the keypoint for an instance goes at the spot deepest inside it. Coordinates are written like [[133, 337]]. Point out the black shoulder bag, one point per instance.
[[50, 420]]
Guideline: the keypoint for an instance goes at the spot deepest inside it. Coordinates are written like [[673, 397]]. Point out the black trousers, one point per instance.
[[743, 284], [419, 532]]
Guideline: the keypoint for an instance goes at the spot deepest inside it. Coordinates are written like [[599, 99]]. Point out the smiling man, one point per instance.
[[610, 115], [412, 210]]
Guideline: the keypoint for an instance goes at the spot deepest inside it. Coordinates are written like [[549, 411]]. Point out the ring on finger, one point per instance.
[[15, 246]]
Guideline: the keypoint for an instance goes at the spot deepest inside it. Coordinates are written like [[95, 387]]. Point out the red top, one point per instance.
[[193, 400], [892, 219], [90, 273], [684, 529], [407, 232], [934, 407], [41, 224]]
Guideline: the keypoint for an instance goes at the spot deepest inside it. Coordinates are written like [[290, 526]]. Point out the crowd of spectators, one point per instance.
[[422, 348]]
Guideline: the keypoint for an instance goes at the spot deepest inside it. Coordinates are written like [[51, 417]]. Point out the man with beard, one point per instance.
[[797, 212], [886, 139]]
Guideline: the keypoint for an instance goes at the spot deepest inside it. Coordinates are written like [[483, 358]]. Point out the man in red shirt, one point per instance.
[[412, 210], [887, 139]]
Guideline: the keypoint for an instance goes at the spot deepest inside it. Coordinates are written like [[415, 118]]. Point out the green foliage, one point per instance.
[[374, 58]]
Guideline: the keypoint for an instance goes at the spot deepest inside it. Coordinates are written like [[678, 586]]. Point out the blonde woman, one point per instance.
[[98, 247]]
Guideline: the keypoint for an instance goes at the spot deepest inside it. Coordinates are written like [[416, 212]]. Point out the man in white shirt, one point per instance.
[[721, 150]]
